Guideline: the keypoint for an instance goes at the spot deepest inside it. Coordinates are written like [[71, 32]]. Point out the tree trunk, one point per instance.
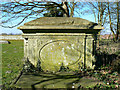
[[72, 9], [111, 22], [118, 29], [65, 7]]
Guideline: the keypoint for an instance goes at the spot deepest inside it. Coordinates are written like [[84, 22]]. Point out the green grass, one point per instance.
[[12, 56], [12, 63]]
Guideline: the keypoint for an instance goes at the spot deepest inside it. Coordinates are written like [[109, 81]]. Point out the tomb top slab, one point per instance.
[[60, 23]]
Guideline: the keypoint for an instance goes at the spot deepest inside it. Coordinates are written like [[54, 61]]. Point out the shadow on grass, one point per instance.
[[104, 59], [57, 79], [107, 52]]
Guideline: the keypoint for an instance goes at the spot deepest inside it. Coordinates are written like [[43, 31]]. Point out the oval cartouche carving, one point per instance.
[[56, 53]]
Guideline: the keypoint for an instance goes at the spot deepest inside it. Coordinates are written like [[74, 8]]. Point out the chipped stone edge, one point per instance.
[[59, 27]]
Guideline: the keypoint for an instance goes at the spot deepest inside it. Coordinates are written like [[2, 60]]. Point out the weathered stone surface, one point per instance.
[[56, 49], [57, 41], [60, 23]]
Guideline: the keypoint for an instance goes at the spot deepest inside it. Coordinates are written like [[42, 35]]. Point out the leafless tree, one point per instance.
[[113, 11], [107, 13], [14, 13]]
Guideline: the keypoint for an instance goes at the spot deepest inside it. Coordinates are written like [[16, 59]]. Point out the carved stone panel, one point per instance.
[[73, 51]]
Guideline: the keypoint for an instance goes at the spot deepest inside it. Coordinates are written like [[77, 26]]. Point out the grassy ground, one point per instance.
[[12, 55]]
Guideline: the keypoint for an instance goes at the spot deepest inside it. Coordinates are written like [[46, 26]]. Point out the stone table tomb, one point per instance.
[[60, 41]]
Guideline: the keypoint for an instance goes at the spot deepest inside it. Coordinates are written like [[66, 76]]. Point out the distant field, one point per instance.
[[11, 37], [12, 55]]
